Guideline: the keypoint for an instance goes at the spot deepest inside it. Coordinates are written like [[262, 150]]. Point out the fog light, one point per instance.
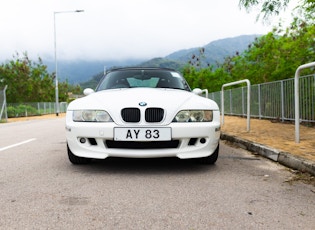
[[202, 140], [82, 140]]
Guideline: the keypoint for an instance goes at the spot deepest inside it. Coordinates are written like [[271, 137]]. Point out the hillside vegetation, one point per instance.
[[271, 57], [214, 53]]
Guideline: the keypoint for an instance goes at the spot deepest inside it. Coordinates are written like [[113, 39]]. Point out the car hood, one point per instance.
[[171, 100]]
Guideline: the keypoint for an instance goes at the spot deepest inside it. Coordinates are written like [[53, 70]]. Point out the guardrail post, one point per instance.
[[248, 100], [297, 99], [3, 109], [282, 102]]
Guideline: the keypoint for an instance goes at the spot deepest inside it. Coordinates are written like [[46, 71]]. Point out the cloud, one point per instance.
[[118, 29]]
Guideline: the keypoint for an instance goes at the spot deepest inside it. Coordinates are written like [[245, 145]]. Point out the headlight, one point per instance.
[[194, 116], [91, 116]]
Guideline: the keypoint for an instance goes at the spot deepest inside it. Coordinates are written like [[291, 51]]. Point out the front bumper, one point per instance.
[[96, 140]]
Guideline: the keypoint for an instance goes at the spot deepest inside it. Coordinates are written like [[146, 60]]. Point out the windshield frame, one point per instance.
[[143, 78]]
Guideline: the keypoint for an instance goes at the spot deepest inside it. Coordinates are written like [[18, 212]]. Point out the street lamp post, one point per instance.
[[55, 45]]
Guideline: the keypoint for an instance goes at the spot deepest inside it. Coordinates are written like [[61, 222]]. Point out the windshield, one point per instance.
[[149, 78]]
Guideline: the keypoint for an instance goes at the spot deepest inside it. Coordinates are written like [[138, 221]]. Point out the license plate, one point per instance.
[[142, 134]]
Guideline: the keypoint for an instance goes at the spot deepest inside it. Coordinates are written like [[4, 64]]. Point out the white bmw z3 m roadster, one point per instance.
[[142, 113]]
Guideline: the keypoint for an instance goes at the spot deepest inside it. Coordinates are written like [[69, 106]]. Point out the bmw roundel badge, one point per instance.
[[142, 103]]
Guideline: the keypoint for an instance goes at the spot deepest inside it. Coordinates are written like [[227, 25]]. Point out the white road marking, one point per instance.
[[17, 144]]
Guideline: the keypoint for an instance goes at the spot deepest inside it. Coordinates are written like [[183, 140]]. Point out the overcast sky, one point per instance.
[[119, 29]]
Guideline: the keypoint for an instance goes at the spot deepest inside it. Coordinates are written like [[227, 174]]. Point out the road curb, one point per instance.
[[284, 158], [296, 162]]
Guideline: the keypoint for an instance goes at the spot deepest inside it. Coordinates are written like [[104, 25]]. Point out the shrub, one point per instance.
[[21, 111]]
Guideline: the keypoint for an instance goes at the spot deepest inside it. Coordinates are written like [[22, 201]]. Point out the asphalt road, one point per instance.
[[40, 189]]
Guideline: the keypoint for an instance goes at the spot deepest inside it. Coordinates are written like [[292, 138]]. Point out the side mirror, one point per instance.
[[200, 92], [88, 91], [197, 91]]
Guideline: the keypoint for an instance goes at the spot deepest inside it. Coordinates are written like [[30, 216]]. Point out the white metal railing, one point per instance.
[[3, 105], [248, 100], [273, 100], [297, 98]]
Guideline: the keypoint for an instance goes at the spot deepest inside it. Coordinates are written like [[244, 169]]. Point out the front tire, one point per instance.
[[75, 159], [210, 160]]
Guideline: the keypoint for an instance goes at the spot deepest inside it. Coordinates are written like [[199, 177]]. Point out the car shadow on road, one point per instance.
[[147, 166]]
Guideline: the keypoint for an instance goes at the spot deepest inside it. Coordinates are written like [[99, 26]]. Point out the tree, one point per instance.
[[274, 56], [205, 78], [29, 81], [274, 7]]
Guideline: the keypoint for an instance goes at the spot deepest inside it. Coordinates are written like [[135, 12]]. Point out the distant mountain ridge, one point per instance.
[[79, 71], [214, 52]]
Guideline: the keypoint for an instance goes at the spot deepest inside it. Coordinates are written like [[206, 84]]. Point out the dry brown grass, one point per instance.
[[277, 135]]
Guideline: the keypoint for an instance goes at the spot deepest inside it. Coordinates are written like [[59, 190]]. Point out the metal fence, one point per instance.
[[34, 108], [274, 100], [3, 105]]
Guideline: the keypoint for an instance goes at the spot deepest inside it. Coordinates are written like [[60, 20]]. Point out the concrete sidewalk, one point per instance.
[[274, 140]]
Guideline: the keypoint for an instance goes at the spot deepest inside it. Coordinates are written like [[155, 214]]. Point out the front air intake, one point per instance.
[[142, 144]]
